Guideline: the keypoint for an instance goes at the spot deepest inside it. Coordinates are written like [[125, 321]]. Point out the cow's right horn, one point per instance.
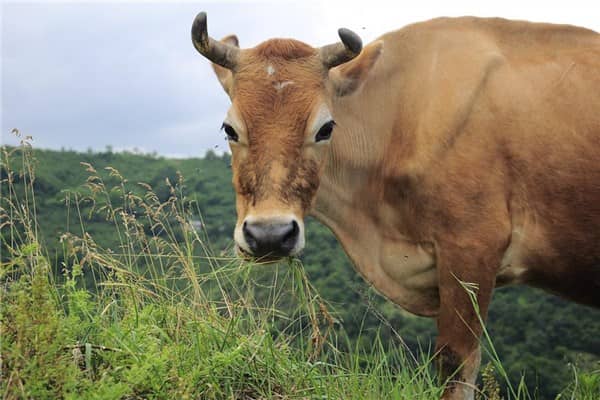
[[335, 54], [220, 53]]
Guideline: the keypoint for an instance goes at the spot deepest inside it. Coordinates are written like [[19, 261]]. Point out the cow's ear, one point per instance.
[[348, 77], [225, 75]]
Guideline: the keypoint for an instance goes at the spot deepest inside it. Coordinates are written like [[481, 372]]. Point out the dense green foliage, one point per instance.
[[548, 340]]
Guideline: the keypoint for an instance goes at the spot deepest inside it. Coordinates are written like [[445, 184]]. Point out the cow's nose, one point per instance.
[[271, 239]]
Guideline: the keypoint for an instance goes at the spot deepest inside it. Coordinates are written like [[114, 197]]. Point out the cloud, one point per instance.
[[90, 75]]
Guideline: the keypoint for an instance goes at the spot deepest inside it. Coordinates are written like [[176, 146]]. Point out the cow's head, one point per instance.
[[280, 127]]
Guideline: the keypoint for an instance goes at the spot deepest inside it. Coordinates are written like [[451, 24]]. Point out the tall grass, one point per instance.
[[163, 316]]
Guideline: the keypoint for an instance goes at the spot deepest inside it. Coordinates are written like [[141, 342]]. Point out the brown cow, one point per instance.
[[463, 150]]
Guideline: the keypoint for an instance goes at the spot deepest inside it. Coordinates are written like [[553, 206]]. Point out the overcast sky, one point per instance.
[[125, 74]]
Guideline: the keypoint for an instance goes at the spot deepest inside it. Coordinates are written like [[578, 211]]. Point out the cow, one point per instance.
[[449, 157]]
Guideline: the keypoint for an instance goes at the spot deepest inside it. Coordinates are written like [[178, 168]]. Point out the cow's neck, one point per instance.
[[351, 202], [351, 169], [352, 182], [353, 177]]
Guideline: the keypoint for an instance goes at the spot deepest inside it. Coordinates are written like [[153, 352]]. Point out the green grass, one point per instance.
[[164, 317]]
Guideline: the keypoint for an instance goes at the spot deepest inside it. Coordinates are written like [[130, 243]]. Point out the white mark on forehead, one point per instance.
[[282, 84], [320, 117], [270, 70]]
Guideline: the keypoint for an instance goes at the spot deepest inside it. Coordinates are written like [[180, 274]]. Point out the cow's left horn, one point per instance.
[[220, 53], [335, 54]]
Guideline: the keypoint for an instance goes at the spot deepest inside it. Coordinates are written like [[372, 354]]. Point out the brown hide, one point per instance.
[[468, 150]]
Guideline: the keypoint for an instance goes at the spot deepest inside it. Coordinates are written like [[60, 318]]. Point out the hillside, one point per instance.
[[534, 333]]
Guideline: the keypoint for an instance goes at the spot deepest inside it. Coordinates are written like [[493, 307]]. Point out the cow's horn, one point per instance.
[[220, 53], [335, 54]]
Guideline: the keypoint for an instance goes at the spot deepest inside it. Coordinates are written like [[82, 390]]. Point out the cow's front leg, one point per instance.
[[459, 327], [458, 366]]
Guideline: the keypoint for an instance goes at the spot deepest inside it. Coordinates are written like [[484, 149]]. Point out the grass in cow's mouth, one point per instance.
[[264, 259]]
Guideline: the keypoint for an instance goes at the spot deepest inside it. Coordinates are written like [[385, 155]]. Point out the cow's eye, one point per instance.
[[325, 131], [231, 133]]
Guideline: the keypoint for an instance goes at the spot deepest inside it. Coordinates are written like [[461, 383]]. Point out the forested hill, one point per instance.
[[533, 332]]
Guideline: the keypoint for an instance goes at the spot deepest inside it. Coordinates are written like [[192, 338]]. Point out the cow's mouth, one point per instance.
[[243, 253], [264, 259]]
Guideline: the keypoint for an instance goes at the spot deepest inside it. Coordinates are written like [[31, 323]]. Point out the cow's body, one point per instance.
[[470, 152], [483, 134]]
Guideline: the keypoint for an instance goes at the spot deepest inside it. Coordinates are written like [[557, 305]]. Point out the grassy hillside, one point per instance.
[[117, 283]]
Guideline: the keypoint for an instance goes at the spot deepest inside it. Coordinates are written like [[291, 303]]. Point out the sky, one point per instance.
[[87, 75]]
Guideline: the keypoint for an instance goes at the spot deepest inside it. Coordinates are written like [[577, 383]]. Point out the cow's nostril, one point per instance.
[[267, 238], [250, 239], [292, 234]]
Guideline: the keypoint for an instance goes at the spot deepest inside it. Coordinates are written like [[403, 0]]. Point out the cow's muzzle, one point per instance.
[[271, 239]]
